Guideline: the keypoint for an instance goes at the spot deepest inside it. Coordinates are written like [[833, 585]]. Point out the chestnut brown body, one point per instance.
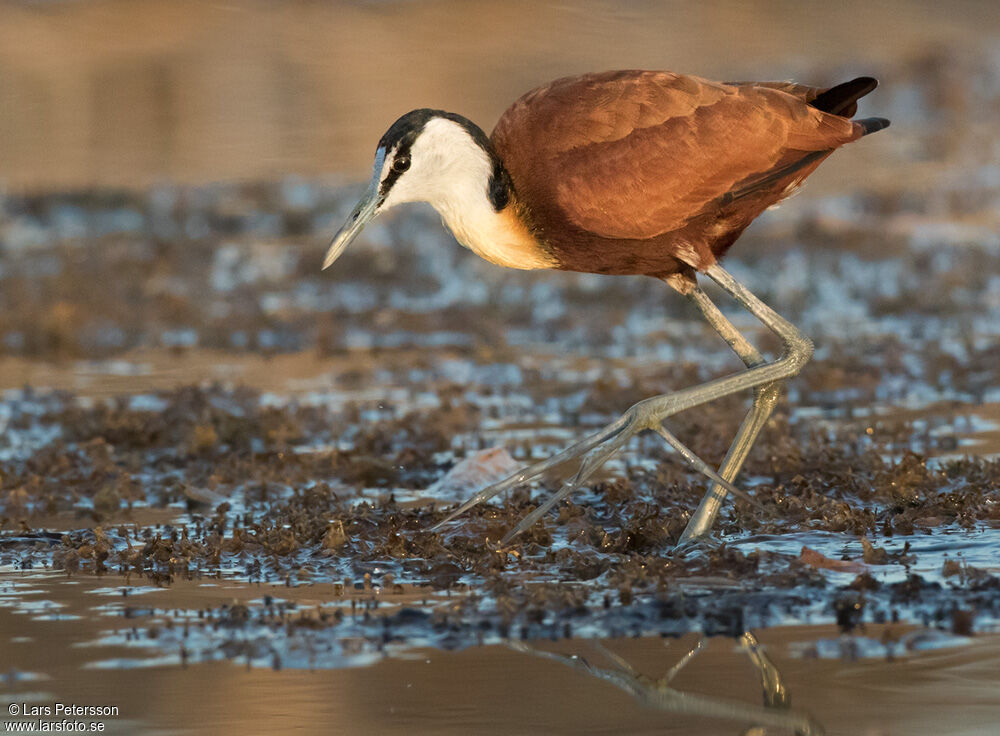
[[639, 172]]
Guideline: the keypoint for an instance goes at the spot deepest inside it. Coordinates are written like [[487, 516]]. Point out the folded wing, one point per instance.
[[584, 150]]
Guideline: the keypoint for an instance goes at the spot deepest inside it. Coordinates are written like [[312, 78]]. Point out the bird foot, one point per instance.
[[593, 452]]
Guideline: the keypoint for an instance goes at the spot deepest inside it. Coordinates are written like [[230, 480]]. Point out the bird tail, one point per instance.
[[872, 125], [843, 99]]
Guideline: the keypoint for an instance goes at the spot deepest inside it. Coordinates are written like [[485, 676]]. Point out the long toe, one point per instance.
[[701, 466], [588, 468], [574, 451]]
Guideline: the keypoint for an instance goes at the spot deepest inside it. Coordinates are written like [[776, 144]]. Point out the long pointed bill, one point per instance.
[[365, 210]]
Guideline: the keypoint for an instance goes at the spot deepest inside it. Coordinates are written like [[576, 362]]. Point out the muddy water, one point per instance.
[[933, 684], [206, 649]]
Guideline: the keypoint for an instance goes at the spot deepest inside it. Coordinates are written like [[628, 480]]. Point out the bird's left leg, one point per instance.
[[600, 447], [595, 451], [650, 413]]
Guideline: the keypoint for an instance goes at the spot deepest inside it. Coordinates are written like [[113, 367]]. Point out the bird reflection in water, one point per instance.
[[775, 713]]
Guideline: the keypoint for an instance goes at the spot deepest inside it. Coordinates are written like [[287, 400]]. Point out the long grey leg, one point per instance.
[[650, 413], [765, 396], [714, 316], [764, 401], [798, 350]]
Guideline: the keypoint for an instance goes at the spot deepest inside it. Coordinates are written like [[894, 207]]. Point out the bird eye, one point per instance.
[[400, 164]]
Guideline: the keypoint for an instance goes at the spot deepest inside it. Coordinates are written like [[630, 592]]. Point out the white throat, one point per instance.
[[452, 172]]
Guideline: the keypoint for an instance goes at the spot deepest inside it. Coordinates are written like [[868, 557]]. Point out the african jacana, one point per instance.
[[627, 172]]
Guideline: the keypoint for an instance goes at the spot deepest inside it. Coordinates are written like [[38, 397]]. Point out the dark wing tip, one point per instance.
[[872, 125], [842, 99], [869, 84]]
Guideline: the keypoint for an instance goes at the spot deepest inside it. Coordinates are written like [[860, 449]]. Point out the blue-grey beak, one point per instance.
[[365, 210]]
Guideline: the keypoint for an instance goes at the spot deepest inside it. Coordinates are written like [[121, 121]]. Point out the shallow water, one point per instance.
[[843, 684], [410, 653]]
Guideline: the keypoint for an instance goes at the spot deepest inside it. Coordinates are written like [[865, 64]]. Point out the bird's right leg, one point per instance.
[[612, 437], [764, 400]]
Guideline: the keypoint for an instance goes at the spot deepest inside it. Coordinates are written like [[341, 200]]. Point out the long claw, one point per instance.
[[701, 466], [589, 466], [525, 474], [489, 492]]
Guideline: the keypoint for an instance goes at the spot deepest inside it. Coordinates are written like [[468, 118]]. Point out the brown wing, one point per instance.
[[802, 91], [636, 154]]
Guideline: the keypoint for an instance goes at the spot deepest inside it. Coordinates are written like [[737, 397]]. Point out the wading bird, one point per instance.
[[630, 173]]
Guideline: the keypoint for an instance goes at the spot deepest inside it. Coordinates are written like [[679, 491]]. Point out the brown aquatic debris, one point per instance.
[[811, 557]]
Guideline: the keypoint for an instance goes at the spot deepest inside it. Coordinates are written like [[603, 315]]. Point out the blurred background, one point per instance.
[[171, 171], [119, 93]]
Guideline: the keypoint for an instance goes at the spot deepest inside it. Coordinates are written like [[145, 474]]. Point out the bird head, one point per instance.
[[427, 156]]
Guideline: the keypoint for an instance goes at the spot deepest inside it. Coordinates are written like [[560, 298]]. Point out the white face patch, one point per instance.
[[449, 170]]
